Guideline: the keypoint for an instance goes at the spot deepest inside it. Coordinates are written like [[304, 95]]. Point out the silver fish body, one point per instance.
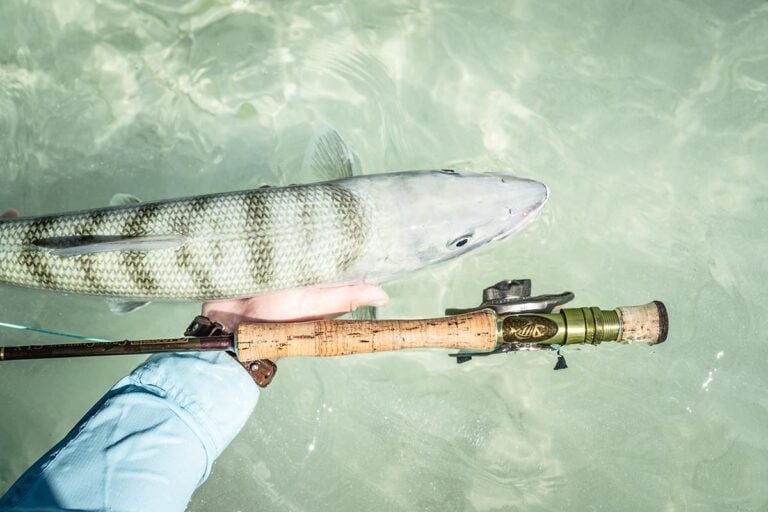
[[240, 244]]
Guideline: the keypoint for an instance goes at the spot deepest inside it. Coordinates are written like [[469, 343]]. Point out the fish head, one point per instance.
[[421, 218]]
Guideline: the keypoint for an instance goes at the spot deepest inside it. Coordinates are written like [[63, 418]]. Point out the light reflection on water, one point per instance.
[[647, 120]]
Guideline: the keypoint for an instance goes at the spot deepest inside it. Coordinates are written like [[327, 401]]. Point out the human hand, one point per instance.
[[295, 305], [9, 214], [219, 405]]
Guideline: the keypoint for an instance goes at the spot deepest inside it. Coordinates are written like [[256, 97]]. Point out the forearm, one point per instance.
[[148, 443]]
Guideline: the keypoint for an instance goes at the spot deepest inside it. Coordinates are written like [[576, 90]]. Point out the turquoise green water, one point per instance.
[[649, 122]]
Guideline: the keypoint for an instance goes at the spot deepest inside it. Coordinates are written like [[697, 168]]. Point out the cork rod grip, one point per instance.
[[644, 324], [476, 331]]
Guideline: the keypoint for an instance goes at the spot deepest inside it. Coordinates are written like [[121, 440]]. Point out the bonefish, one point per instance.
[[365, 228]]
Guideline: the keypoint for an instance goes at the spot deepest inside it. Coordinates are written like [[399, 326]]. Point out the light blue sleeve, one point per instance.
[[148, 443]]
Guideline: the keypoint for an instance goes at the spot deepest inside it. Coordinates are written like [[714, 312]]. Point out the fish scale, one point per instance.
[[191, 271]]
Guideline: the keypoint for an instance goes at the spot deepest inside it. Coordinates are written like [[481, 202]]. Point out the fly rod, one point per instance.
[[507, 320]]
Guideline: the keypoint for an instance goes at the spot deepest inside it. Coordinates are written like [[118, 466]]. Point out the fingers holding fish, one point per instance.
[[295, 304]]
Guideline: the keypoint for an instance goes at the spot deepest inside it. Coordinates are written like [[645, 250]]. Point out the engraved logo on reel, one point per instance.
[[528, 329]]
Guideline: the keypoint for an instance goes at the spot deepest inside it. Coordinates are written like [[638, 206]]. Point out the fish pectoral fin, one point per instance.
[[66, 246], [364, 313], [123, 307], [124, 200], [328, 156]]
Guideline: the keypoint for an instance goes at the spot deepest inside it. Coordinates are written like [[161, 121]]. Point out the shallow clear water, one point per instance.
[[649, 122]]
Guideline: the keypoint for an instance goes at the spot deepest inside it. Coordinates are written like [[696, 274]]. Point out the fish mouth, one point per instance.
[[536, 194], [524, 219]]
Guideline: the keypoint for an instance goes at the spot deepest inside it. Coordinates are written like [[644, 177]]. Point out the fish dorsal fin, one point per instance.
[[124, 200], [123, 307], [329, 158], [67, 246]]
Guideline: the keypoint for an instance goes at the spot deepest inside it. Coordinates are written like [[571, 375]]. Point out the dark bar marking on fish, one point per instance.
[[203, 273], [96, 281], [182, 260], [35, 262], [336, 198], [140, 220], [306, 273], [94, 225], [38, 267], [200, 205], [40, 228], [260, 251], [140, 272], [205, 277], [217, 256], [217, 253], [201, 276], [350, 220], [192, 214], [96, 220], [79, 225], [217, 207]]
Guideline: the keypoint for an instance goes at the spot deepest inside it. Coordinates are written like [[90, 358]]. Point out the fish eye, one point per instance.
[[460, 242]]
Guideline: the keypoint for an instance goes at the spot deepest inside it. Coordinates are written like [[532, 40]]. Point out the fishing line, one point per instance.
[[51, 332]]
